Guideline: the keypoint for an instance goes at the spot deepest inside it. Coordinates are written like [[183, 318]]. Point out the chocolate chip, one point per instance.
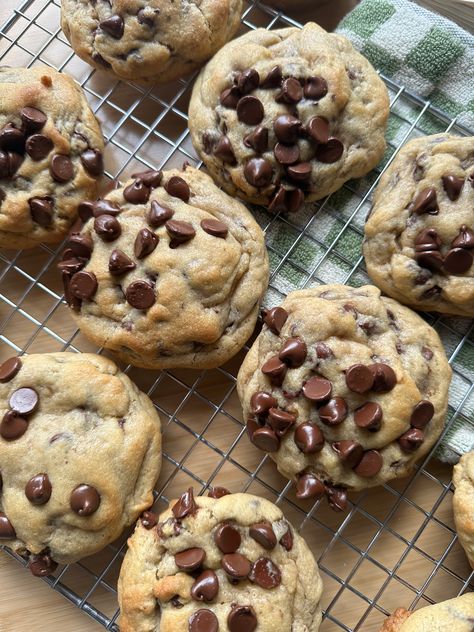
[[106, 207], [227, 538], [9, 369], [205, 587], [384, 377], [185, 505], [287, 540], [369, 416], [422, 414], [318, 129], [24, 401], [308, 486], [236, 565], [323, 351], [275, 318], [190, 559], [458, 261], [317, 389], [431, 260], [93, 162], [39, 146], [97, 57], [151, 177], [9, 163], [42, 565], [265, 439], [426, 202], [330, 152], [83, 285], [300, 172], [273, 79], [250, 110], [281, 421], [180, 232], [370, 464], [7, 532], [140, 294], [350, 452], [275, 369], [426, 353], [61, 168], [33, 119], [359, 378], [263, 533], [465, 239], [203, 621], [224, 150], [287, 128], [12, 139], [107, 227], [315, 88], [230, 97], [427, 239], [81, 245], [177, 187], [149, 520], [158, 215], [431, 293], [113, 26], [261, 402], [38, 489], [85, 500], [411, 440], [293, 353], [334, 412], [309, 438], [145, 243], [41, 210], [453, 186], [218, 492], [215, 228], [12, 426], [265, 573], [248, 81], [137, 192], [422, 277], [337, 498], [257, 139], [145, 19], [291, 91], [286, 154]]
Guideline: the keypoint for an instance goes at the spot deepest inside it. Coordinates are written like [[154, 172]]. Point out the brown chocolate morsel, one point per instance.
[[12, 426], [265, 439], [14, 162], [42, 565], [61, 168], [9, 369], [7, 532], [465, 239], [287, 540], [137, 192], [149, 520], [294, 200], [275, 318], [119, 263], [140, 294], [236, 565], [290, 92], [107, 227], [248, 81], [273, 79], [85, 500], [453, 186], [252, 426], [265, 573], [33, 119], [426, 202], [333, 412], [158, 214], [300, 172], [318, 129], [458, 261], [281, 421], [275, 369], [287, 128], [24, 401], [261, 402], [180, 232], [250, 110], [185, 505], [385, 377], [427, 239], [178, 187], [113, 26], [97, 57], [308, 486], [258, 172], [263, 533], [293, 353], [190, 559], [106, 207], [218, 492], [227, 538], [215, 228], [323, 351], [242, 619], [224, 150], [422, 414], [93, 162], [369, 416], [317, 389], [71, 266], [203, 621], [38, 489], [431, 260], [145, 243], [38, 146], [309, 438], [426, 353], [205, 587], [286, 154], [12, 139], [411, 440], [230, 97], [257, 139], [151, 177], [83, 285], [350, 452], [41, 210], [315, 88], [370, 464], [337, 498], [330, 152], [359, 378]]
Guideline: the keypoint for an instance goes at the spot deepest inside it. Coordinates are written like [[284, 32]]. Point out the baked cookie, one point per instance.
[[80, 451], [168, 272], [280, 117], [463, 503], [454, 614], [227, 563], [344, 388], [419, 236], [50, 155], [154, 40]]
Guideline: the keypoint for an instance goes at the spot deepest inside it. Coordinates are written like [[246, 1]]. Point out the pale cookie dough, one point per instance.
[[463, 503], [453, 615], [80, 452], [227, 563], [287, 116], [419, 236], [345, 389]]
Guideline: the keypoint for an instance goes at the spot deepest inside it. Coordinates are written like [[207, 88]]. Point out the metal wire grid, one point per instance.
[[370, 560]]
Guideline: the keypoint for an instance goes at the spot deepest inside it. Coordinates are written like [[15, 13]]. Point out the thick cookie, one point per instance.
[[463, 503], [454, 614], [154, 40], [284, 116], [224, 563], [419, 236], [80, 451], [169, 271], [50, 155], [344, 388]]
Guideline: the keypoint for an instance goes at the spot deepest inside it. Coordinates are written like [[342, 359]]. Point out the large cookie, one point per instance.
[[169, 271], [344, 388], [50, 155], [223, 563], [154, 40], [463, 503], [419, 236], [80, 452], [280, 117], [454, 614]]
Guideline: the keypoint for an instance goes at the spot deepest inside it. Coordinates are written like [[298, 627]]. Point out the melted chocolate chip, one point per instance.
[[257, 139], [9, 369], [422, 414], [224, 150], [290, 92], [236, 565], [315, 88], [83, 285], [287, 128], [265, 439], [265, 573], [180, 232], [427, 239], [275, 319], [39, 146], [384, 377], [287, 540], [337, 498], [309, 438], [145, 243], [426, 202], [218, 492], [227, 538], [293, 353], [369, 416], [261, 402], [105, 207], [334, 412], [7, 532], [286, 154], [280, 420], [113, 26], [33, 119], [158, 215], [24, 401], [359, 378], [411, 440], [215, 228], [205, 587], [107, 227], [317, 389], [318, 129], [273, 79], [323, 351], [190, 559], [61, 168], [458, 261], [370, 464], [258, 172], [12, 139], [230, 97], [179, 188], [140, 294], [85, 500], [42, 565], [93, 162], [242, 619], [185, 506], [330, 152], [203, 621], [453, 186], [137, 192], [350, 452], [430, 259], [12, 426], [151, 177], [248, 81], [263, 533], [275, 369], [250, 110], [465, 239], [300, 172], [41, 210], [149, 520], [38, 489], [308, 486], [120, 263]]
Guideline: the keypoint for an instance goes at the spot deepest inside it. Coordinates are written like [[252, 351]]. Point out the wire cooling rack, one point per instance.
[[396, 545]]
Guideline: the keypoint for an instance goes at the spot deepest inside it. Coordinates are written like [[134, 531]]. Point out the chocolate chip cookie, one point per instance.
[[149, 39], [169, 271], [463, 503], [50, 155], [453, 614], [280, 117], [345, 389], [80, 451], [228, 562], [419, 236]]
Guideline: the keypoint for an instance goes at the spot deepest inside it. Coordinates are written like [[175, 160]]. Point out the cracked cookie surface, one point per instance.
[[463, 503], [419, 236], [453, 614], [344, 388], [214, 564], [286, 116], [168, 272], [50, 155], [80, 451], [154, 40]]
